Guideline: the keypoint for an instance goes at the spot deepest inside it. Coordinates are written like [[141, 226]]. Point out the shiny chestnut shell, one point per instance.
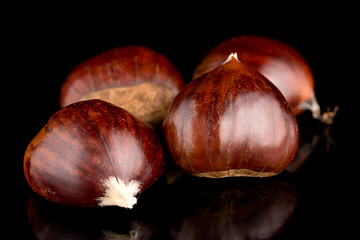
[[136, 78], [89, 147], [284, 66], [231, 121]]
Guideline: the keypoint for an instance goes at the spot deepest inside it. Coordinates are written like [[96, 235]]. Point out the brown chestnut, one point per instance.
[[280, 63], [93, 153], [136, 78], [231, 121]]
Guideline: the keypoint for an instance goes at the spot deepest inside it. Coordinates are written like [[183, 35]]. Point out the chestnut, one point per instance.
[[231, 121], [93, 153], [279, 62], [136, 78]]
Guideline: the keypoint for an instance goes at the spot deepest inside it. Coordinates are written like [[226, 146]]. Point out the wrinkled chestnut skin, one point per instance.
[[231, 121], [277, 61], [83, 144]]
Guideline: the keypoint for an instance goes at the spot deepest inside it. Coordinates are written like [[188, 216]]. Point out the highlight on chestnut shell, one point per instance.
[[231, 121], [283, 65], [136, 78], [93, 153]]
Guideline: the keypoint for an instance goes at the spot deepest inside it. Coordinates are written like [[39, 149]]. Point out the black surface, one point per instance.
[[45, 46]]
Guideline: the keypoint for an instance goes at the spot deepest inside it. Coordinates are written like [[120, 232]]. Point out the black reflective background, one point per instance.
[[313, 199]]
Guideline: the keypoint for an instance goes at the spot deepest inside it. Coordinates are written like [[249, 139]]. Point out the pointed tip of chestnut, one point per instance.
[[232, 56]]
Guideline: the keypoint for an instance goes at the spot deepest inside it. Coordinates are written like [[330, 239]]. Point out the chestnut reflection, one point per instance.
[[231, 208], [52, 221], [310, 135]]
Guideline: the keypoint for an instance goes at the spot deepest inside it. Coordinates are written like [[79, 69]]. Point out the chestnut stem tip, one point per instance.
[[328, 116], [231, 56], [117, 193], [314, 107]]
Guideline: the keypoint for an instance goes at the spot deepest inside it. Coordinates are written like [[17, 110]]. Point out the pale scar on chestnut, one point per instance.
[[147, 101], [235, 173]]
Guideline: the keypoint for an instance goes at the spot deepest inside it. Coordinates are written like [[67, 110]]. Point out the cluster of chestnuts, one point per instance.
[[237, 117]]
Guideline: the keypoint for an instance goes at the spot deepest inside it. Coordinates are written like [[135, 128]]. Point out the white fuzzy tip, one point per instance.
[[232, 55], [117, 193]]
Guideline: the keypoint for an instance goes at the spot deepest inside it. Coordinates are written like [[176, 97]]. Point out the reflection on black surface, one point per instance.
[[231, 208], [191, 208], [303, 153], [310, 133], [52, 221]]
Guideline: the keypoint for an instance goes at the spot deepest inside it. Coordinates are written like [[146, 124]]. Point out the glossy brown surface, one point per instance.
[[85, 143], [109, 75], [231, 122], [277, 61]]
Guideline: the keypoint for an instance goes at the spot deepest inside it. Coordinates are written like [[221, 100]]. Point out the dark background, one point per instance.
[[44, 43]]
